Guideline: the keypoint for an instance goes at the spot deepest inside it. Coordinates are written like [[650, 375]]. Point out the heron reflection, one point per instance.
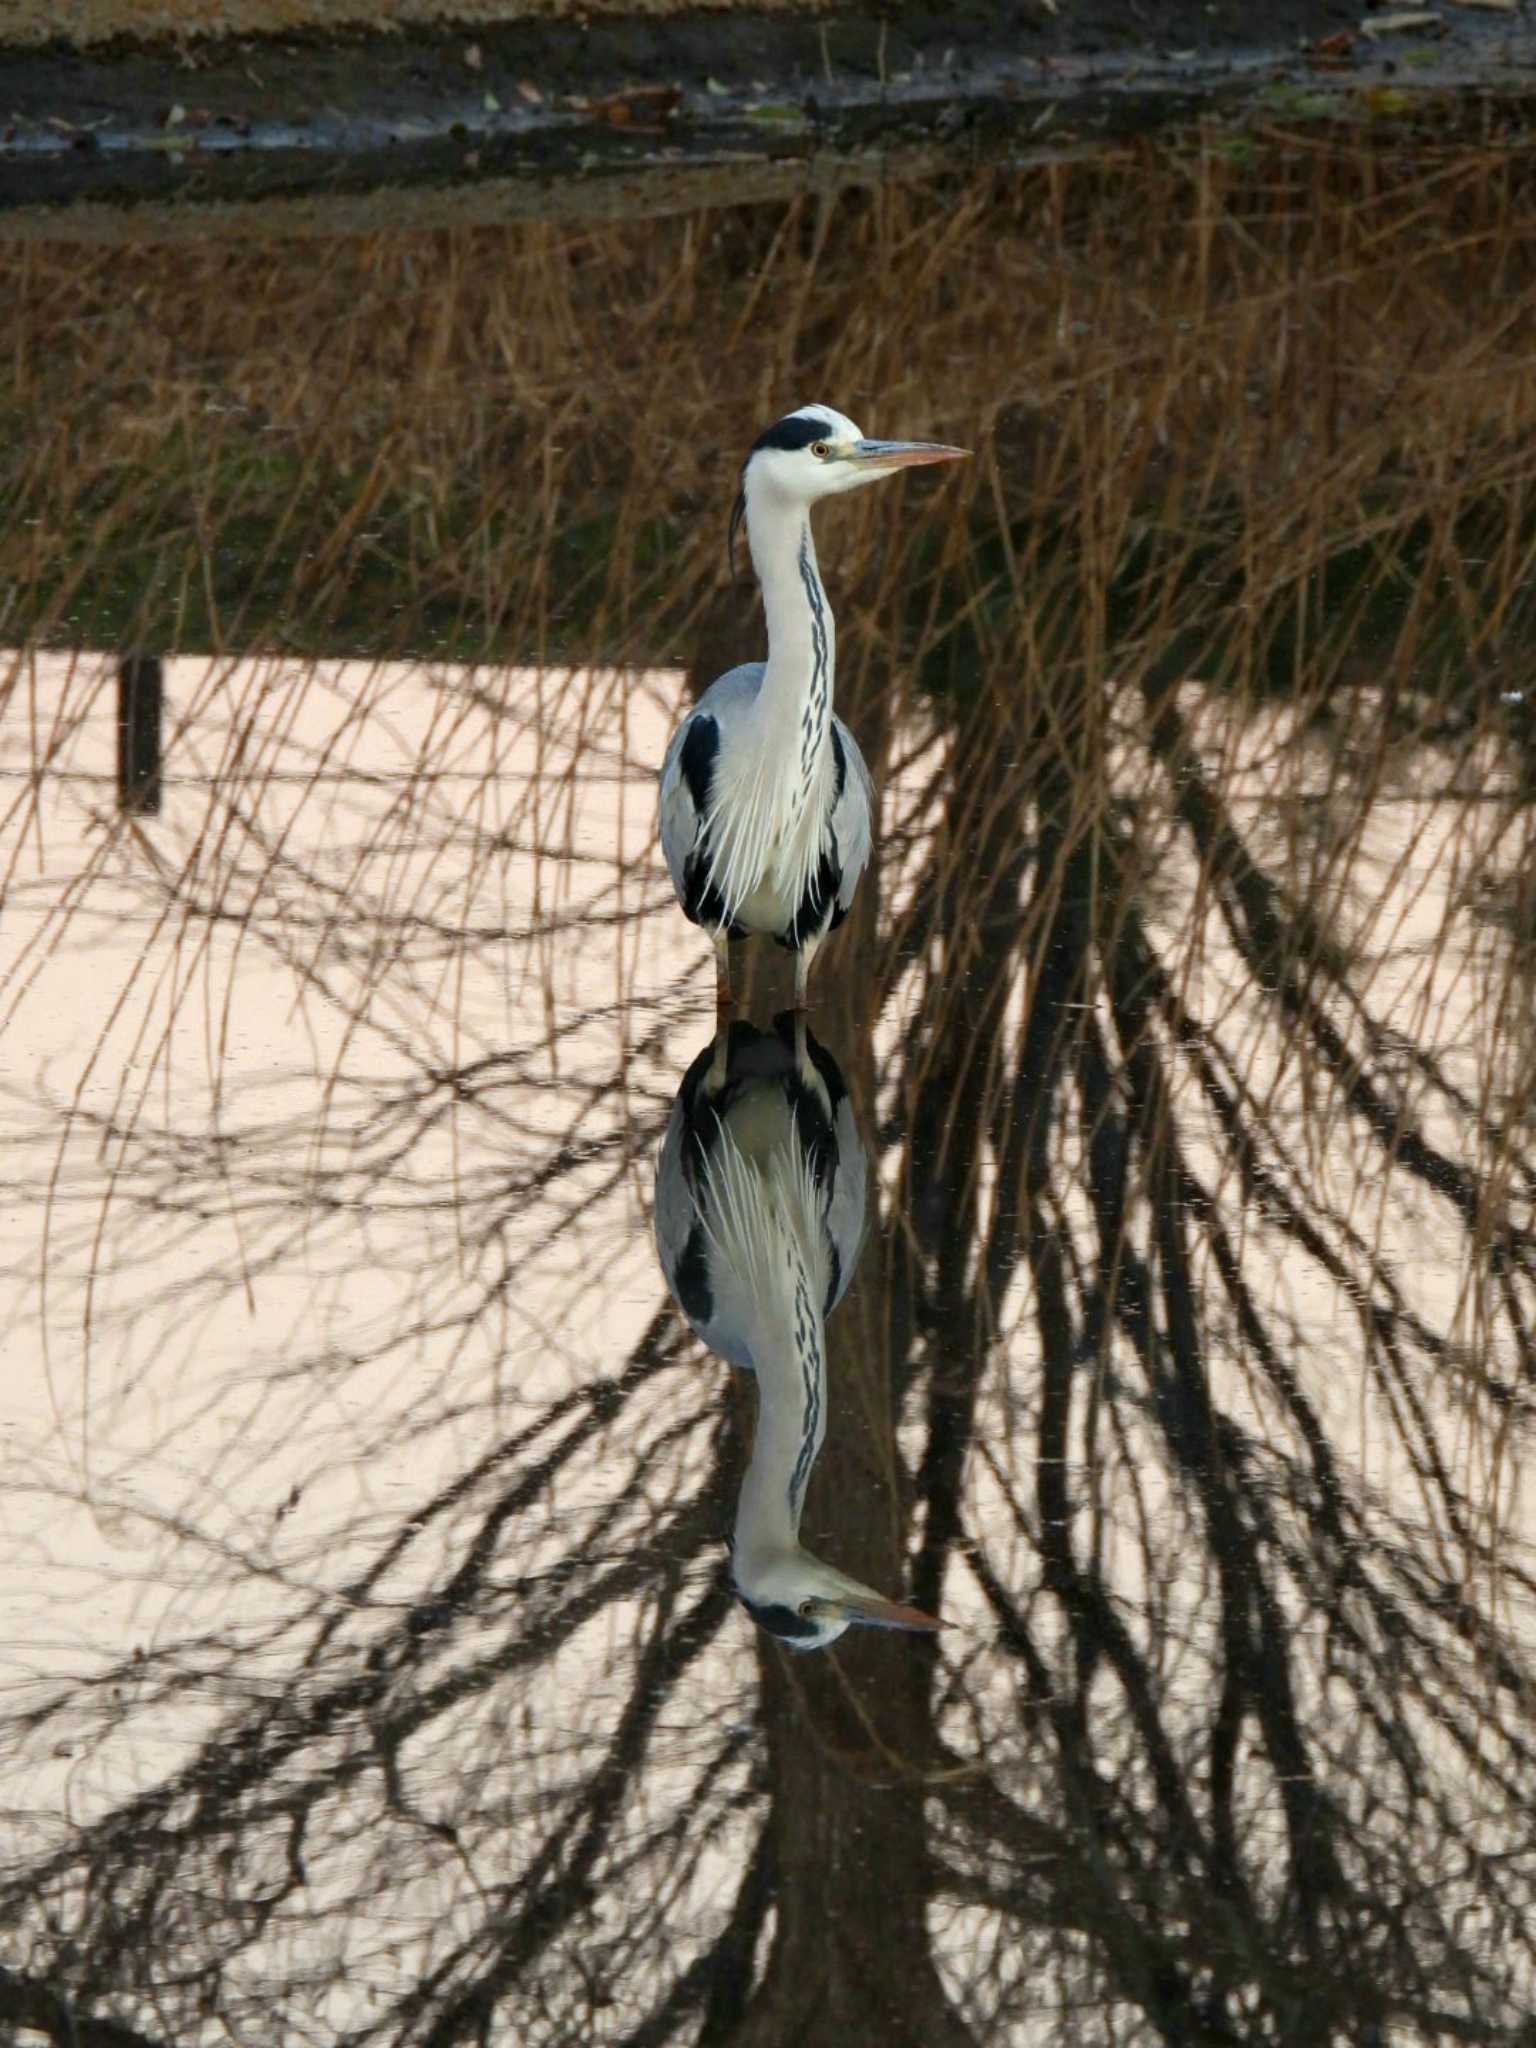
[[760, 1210]]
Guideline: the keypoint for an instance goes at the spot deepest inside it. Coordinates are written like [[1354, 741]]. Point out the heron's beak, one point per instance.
[[872, 456], [873, 1612]]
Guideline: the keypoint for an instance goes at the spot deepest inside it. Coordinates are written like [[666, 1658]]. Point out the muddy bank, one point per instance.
[[642, 115]]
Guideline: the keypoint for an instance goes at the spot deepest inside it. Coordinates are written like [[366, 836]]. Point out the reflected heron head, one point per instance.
[[808, 1604]]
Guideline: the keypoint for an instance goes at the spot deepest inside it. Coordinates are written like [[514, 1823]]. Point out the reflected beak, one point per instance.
[[874, 1612], [881, 455]]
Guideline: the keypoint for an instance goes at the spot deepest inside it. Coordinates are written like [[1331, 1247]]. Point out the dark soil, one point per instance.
[[547, 112]]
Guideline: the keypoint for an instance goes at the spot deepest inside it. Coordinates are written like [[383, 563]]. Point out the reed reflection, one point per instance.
[[760, 1215]]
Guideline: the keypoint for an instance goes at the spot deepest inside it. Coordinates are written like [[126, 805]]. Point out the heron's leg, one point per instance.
[[725, 1002], [719, 1066], [803, 959], [802, 1055]]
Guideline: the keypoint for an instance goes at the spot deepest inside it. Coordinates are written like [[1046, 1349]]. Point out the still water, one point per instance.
[[413, 1307]]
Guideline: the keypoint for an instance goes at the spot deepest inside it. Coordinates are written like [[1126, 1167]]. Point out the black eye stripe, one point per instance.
[[798, 431], [779, 1621]]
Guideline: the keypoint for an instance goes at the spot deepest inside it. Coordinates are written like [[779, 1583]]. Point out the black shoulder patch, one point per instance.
[[834, 1277], [701, 743], [797, 430], [782, 1622], [840, 909], [695, 1296], [831, 1074], [702, 901], [819, 908], [839, 762]]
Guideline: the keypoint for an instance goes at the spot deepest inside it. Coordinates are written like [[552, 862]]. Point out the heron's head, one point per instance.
[[815, 453], [808, 1605]]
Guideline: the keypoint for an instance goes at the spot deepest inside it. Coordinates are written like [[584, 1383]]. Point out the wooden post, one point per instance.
[[140, 713]]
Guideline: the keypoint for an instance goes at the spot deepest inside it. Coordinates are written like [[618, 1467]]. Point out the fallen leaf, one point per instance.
[[1332, 53], [472, 56], [527, 90], [640, 106], [491, 104]]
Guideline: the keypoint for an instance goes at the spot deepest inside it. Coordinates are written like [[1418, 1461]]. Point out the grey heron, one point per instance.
[[759, 1222], [765, 799]]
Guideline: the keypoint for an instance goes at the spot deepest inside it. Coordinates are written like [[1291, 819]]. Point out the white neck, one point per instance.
[[794, 705], [789, 1350], [765, 1217]]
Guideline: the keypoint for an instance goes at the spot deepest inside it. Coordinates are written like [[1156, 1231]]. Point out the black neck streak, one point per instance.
[[812, 1374], [814, 718]]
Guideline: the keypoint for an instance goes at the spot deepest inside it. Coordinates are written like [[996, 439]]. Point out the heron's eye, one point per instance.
[[821, 450]]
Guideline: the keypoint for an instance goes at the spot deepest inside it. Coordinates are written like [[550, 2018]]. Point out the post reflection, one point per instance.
[[760, 1216]]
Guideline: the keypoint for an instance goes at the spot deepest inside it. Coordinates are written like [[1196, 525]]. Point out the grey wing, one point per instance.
[[852, 817], [846, 1216], [673, 1210], [682, 800], [680, 820]]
